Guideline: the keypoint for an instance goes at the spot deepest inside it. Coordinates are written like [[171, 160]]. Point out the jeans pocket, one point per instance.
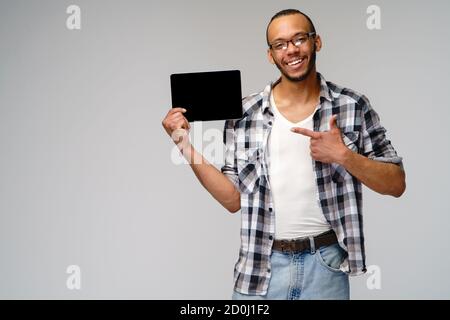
[[331, 257]]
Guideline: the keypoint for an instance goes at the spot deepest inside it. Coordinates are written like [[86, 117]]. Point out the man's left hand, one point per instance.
[[326, 146]]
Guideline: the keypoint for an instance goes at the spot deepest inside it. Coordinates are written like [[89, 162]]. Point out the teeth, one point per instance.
[[295, 62]]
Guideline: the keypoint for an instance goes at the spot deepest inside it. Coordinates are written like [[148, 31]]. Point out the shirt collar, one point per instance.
[[324, 92]]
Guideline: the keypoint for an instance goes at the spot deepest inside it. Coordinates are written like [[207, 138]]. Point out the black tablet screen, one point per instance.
[[214, 95]]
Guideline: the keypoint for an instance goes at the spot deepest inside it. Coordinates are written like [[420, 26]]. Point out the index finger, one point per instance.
[[306, 132], [173, 110]]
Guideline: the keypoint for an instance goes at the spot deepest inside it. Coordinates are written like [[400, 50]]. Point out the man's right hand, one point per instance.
[[177, 126], [217, 184]]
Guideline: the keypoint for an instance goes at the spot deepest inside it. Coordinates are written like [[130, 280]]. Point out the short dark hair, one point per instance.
[[288, 12]]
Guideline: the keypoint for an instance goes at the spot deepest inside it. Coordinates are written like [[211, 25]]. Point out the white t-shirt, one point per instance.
[[293, 180]]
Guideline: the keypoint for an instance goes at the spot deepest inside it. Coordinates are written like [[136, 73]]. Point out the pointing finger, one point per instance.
[[306, 132]]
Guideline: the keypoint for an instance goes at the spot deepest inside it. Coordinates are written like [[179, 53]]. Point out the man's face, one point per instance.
[[295, 63]]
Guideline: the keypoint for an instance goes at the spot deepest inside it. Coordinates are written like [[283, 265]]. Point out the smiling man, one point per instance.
[[294, 165]]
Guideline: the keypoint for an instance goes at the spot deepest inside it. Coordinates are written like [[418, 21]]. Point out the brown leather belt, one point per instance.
[[301, 244]]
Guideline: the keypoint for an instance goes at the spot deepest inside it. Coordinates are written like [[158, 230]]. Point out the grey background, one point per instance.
[[85, 170]]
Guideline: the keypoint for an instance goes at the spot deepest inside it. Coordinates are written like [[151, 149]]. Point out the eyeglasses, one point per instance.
[[297, 41]]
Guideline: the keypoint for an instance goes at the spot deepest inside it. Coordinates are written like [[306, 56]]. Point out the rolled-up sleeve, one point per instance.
[[229, 139], [375, 144]]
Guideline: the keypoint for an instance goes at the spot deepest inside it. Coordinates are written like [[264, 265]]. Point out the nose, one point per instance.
[[291, 47]]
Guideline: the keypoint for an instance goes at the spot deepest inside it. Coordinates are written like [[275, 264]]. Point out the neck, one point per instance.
[[303, 92]]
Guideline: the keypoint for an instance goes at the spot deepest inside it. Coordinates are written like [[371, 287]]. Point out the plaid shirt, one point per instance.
[[339, 193]]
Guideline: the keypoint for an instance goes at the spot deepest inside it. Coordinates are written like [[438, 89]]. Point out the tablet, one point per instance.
[[214, 95]]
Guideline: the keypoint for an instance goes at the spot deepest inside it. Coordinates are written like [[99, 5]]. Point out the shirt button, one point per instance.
[[270, 209], [270, 237], [268, 270], [270, 123]]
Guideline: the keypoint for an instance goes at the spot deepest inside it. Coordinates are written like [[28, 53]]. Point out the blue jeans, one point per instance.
[[306, 275]]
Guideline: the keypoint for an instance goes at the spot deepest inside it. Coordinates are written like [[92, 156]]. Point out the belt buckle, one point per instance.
[[288, 245]]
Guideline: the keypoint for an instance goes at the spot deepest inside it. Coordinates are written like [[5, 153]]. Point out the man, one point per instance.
[[294, 165]]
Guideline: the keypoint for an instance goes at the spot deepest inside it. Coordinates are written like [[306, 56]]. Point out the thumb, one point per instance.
[[333, 124]]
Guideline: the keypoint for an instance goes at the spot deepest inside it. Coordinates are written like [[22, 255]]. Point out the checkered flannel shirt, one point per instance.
[[339, 193]]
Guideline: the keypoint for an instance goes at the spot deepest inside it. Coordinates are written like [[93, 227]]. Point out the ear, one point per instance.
[[269, 56], [318, 42]]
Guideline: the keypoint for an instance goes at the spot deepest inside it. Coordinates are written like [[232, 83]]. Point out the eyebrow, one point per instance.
[[297, 34]]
